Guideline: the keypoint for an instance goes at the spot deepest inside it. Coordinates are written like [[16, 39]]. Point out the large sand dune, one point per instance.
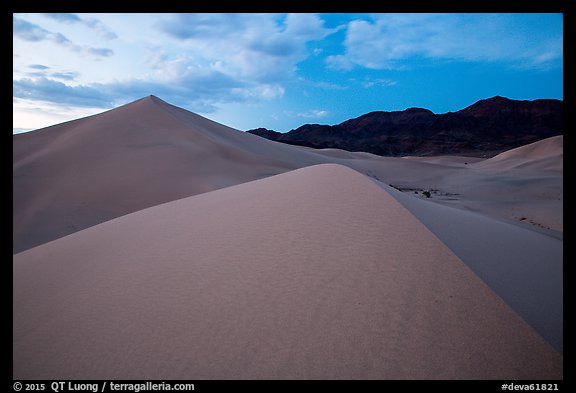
[[151, 242], [315, 273], [77, 174]]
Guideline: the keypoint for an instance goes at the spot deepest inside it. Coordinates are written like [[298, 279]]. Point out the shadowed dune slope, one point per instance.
[[522, 266], [315, 273]]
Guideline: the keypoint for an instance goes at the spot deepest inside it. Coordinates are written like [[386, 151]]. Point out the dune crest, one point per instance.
[[544, 155], [77, 174], [315, 273]]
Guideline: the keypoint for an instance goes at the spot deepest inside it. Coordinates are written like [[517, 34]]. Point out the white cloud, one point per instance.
[[235, 57], [34, 33], [33, 114], [368, 83], [258, 47], [314, 114], [91, 23], [45, 71], [388, 40], [213, 59], [322, 84]]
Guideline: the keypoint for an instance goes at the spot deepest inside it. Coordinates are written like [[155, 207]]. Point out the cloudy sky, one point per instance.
[[279, 70]]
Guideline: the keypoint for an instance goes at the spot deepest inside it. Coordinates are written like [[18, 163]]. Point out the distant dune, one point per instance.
[[77, 174], [544, 155], [152, 243], [316, 273]]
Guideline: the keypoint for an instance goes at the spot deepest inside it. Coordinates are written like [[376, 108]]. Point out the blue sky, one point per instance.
[[279, 71]]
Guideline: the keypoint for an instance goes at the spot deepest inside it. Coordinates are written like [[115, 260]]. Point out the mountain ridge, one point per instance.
[[486, 127]]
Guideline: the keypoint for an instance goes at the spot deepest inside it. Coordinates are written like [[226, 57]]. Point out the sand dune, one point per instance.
[[458, 161], [545, 156], [522, 266], [81, 173], [154, 243], [315, 273], [522, 186], [77, 174]]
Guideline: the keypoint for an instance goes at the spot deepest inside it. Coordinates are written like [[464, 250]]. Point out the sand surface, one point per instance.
[[74, 175], [523, 266], [151, 242], [315, 273], [77, 174]]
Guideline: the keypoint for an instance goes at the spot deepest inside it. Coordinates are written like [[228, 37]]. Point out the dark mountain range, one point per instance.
[[485, 128]]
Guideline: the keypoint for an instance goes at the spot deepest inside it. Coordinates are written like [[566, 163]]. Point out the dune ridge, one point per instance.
[[81, 173], [544, 155], [315, 273], [524, 267], [148, 233]]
